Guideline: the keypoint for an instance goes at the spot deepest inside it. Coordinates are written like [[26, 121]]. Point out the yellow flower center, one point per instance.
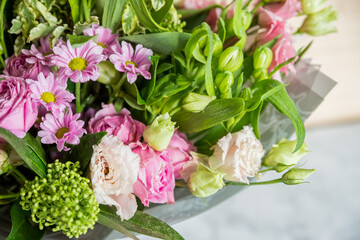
[[102, 45], [77, 64], [130, 63], [48, 97], [61, 132]]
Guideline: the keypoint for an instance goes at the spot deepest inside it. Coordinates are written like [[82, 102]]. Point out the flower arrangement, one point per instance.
[[107, 107]]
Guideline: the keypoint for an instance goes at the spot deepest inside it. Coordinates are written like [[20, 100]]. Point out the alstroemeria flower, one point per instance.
[[60, 127], [132, 63], [50, 92], [105, 38], [78, 64]]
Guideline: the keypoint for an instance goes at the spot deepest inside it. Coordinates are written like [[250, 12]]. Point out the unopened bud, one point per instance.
[[205, 182], [108, 73], [231, 59], [160, 132], [262, 57], [320, 23], [194, 102], [296, 176], [311, 6]]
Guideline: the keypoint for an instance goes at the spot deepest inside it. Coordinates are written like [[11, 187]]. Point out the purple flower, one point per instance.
[[60, 127], [51, 93], [125, 60], [105, 38], [78, 64]]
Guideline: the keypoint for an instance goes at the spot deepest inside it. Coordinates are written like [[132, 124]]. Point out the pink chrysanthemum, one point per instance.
[[125, 60], [35, 56], [105, 38], [60, 127], [50, 92], [45, 46], [78, 64]]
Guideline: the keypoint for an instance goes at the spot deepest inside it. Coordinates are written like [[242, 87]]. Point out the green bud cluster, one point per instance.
[[262, 60], [63, 199], [224, 81]]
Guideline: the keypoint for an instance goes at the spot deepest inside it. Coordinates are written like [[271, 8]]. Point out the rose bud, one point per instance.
[[205, 181], [282, 154], [160, 132], [296, 176]]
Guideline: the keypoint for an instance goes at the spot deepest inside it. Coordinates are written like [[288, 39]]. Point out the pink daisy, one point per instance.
[[60, 127], [105, 38], [50, 92], [78, 64], [125, 60], [35, 56]]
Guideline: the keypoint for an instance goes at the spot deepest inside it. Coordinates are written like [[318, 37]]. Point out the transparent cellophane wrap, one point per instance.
[[308, 88]]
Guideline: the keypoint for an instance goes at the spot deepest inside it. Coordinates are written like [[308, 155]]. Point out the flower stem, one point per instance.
[[7, 196], [255, 183], [78, 97], [17, 173], [257, 6], [119, 84], [267, 169], [180, 184]]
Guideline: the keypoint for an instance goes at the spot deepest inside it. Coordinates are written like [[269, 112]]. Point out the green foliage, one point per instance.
[[112, 15], [140, 223], [29, 149], [21, 229]]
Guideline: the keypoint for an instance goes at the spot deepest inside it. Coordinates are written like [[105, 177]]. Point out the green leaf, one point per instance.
[[144, 16], [29, 149], [160, 14], [112, 15], [168, 86], [158, 4], [75, 10], [193, 41], [16, 27], [80, 27], [84, 150], [21, 229], [154, 66], [281, 65], [284, 104], [216, 112], [222, 30], [141, 223], [130, 22], [238, 19], [57, 33], [164, 67], [78, 41], [41, 30], [186, 13], [51, 19], [162, 43], [19, 44], [209, 81], [254, 117]]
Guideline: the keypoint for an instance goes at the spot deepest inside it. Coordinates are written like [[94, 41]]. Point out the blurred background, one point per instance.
[[329, 207]]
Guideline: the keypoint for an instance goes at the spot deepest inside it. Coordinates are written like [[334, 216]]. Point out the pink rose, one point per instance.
[[25, 67], [286, 9], [178, 152], [18, 113], [283, 50], [121, 124], [156, 180]]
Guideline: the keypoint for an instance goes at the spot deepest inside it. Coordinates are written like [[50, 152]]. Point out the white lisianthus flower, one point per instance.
[[114, 169], [238, 155]]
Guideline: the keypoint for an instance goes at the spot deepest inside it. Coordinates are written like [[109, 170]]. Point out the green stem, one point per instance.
[[7, 196], [86, 10], [247, 4], [255, 183], [17, 174], [257, 6], [180, 184], [119, 84], [267, 169], [2, 62], [78, 97]]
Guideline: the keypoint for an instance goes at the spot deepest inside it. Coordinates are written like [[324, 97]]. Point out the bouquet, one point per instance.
[[107, 108]]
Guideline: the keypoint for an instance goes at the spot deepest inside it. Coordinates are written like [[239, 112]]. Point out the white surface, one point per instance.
[[326, 209]]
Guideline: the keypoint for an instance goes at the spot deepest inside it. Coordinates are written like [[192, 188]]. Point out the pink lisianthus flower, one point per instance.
[[132, 63], [105, 38], [18, 112], [78, 64], [50, 92], [25, 66], [60, 127], [35, 56], [283, 50], [156, 180], [120, 125], [178, 152], [286, 9]]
